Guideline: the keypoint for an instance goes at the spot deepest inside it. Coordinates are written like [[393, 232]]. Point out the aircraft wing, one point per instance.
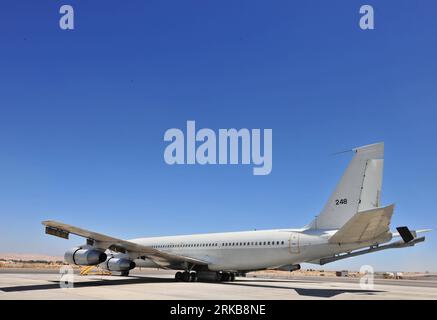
[[365, 226], [106, 242]]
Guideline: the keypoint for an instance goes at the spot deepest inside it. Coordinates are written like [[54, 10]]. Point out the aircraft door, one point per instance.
[[294, 243]]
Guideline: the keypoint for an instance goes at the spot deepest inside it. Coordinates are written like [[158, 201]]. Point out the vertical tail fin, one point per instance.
[[359, 189]]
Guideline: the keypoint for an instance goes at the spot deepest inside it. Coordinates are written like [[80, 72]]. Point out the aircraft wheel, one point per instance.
[[124, 273], [225, 276], [186, 276], [178, 276], [232, 276], [193, 277]]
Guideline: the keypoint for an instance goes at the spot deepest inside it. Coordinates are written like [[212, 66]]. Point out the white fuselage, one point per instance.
[[249, 250]]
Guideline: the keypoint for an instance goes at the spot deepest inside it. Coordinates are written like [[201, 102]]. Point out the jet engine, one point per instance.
[[119, 264], [84, 256]]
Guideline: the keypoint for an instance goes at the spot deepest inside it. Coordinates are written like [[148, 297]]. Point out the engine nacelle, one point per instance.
[[289, 267], [119, 264], [84, 257]]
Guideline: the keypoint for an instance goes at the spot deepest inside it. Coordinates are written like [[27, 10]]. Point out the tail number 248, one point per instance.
[[340, 201]]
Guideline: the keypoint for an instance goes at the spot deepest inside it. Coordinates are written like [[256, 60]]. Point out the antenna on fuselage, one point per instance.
[[341, 152]]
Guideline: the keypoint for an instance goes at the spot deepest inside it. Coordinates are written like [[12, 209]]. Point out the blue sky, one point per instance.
[[83, 114]]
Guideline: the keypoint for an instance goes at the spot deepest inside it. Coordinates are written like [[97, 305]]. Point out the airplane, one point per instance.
[[352, 223]]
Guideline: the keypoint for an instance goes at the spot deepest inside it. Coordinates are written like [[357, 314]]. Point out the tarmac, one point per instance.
[[150, 284]]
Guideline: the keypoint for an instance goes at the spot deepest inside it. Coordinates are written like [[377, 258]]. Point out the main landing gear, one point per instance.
[[186, 276], [226, 276], [204, 276]]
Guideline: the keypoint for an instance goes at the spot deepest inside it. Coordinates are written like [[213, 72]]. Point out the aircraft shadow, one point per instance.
[[319, 293], [83, 284], [275, 280]]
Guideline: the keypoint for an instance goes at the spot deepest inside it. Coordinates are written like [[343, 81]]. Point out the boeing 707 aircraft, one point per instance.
[[352, 223]]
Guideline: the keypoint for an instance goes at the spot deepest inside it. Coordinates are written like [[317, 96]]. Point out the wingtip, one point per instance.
[[423, 230], [47, 222]]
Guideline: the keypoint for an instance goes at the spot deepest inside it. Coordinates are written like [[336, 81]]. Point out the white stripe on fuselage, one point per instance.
[[248, 250]]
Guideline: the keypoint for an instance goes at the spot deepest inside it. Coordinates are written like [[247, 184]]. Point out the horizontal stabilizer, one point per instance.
[[365, 226], [394, 245]]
